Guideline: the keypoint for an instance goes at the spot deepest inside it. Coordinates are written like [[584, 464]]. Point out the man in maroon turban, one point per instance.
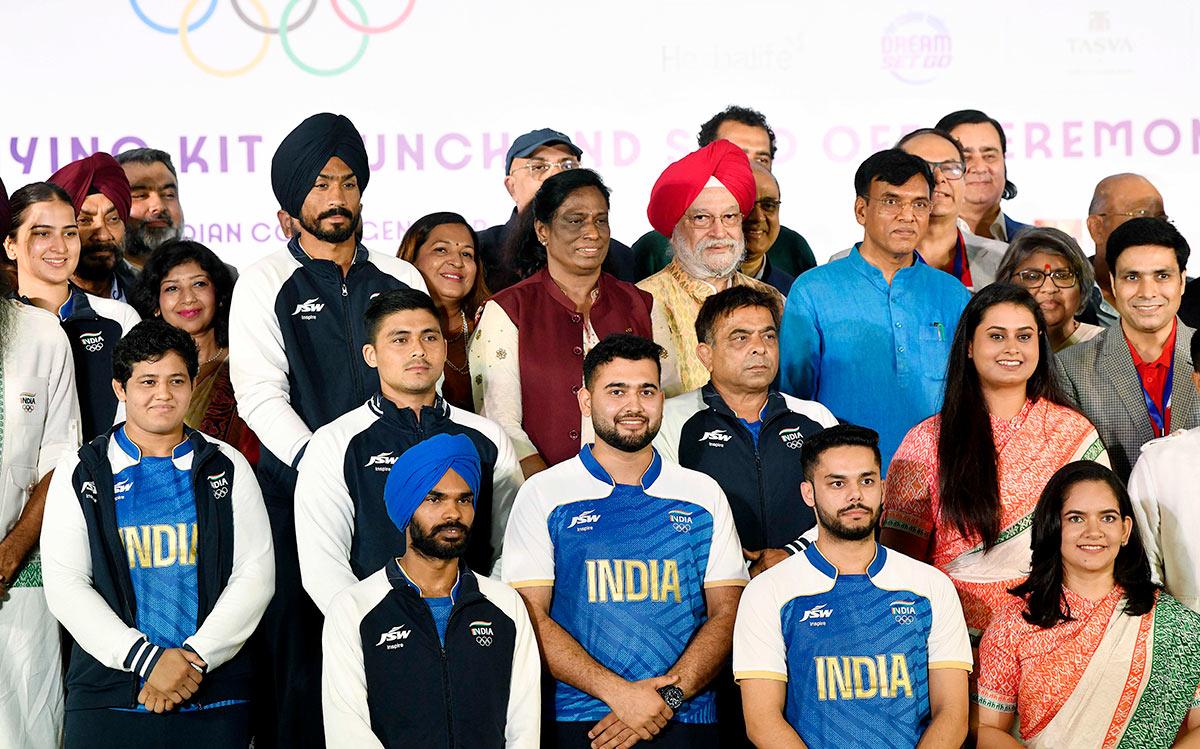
[[698, 203], [100, 191]]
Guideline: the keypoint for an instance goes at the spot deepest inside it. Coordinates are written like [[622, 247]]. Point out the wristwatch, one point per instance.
[[671, 695]]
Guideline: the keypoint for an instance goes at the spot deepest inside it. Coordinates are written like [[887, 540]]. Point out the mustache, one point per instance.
[[452, 525], [344, 212], [854, 507], [94, 247]]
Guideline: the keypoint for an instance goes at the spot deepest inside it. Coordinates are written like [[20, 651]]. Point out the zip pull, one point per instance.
[[345, 291]]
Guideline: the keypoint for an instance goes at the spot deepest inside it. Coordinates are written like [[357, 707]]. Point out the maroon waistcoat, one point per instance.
[[550, 346]]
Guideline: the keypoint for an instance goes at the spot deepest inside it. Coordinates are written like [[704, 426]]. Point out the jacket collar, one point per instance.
[[405, 418], [302, 257], [123, 453], [465, 589], [774, 404]]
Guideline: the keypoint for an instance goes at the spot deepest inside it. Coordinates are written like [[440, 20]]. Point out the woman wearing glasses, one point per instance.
[[527, 353], [963, 485], [1050, 265]]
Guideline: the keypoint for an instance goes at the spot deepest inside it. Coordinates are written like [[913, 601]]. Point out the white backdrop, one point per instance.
[[439, 88]]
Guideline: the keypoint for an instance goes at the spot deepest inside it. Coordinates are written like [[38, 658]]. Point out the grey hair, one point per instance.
[[1055, 242]]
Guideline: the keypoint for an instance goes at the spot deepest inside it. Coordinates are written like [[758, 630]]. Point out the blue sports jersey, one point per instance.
[[628, 564], [855, 650], [156, 519]]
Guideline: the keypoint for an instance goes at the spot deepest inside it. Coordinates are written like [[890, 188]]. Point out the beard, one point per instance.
[[629, 443], [142, 240], [332, 236], [692, 258], [94, 268], [834, 524], [430, 545]]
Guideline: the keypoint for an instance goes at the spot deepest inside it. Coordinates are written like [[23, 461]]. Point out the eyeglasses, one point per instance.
[[541, 169], [705, 220], [949, 169], [895, 206], [1140, 213], [1035, 279], [769, 206]]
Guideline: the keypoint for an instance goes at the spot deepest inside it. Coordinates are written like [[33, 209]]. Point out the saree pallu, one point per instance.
[[1105, 679], [1030, 447], [213, 411]]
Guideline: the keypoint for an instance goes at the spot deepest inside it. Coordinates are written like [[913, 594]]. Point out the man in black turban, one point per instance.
[[296, 335], [319, 173]]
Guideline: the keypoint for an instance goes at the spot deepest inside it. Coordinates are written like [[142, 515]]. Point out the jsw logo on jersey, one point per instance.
[[584, 520], [382, 462], [719, 435], [394, 637], [308, 309], [816, 612], [121, 487]]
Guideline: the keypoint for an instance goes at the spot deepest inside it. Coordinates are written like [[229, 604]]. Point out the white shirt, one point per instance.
[[1165, 489]]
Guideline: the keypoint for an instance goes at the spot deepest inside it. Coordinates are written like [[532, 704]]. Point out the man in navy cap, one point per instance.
[[426, 620], [532, 158]]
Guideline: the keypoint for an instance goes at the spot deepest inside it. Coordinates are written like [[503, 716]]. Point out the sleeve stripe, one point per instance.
[[960, 665], [725, 583], [531, 583], [134, 652], [739, 676]]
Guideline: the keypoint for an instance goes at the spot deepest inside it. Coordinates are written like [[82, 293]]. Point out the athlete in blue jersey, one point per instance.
[[157, 559], [850, 644], [631, 568]]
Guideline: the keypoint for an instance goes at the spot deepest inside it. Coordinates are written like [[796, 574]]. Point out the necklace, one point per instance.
[[465, 369], [214, 357]]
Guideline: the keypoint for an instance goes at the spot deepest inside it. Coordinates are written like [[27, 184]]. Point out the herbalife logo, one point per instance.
[[815, 614], [394, 638], [584, 521], [308, 309], [382, 462]]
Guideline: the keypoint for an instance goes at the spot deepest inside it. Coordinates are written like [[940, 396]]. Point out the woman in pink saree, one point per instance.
[[1089, 652]]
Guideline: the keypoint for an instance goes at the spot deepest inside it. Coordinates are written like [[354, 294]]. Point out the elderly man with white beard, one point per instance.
[[699, 203]]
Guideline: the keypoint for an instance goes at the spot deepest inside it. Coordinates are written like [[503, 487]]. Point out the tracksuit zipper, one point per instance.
[[352, 354]]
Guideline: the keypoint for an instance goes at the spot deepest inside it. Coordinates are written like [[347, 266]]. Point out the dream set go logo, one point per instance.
[[286, 26]]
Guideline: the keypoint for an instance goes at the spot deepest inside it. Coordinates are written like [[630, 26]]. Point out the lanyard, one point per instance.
[[962, 271], [1160, 421]]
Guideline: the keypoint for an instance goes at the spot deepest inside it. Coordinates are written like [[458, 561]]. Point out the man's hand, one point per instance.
[[761, 561], [175, 676], [638, 705], [611, 733], [154, 700]]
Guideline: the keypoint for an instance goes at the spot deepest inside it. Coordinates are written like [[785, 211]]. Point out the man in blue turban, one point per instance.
[[424, 652]]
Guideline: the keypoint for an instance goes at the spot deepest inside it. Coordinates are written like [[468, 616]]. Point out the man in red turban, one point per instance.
[[100, 192], [699, 203]]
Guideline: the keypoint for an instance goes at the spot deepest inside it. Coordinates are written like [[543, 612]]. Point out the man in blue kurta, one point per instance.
[[868, 335]]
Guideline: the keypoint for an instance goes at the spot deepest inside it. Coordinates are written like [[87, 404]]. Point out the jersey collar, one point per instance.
[[397, 573], [818, 560], [598, 472], [130, 454]]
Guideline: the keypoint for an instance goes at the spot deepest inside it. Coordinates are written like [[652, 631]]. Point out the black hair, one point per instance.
[[27, 196], [968, 482], [151, 340], [839, 435], [976, 117], [1045, 604], [1196, 352], [734, 113], [893, 166], [524, 252], [943, 134], [724, 303], [419, 232], [144, 296], [1146, 230], [391, 302], [620, 346], [147, 156]]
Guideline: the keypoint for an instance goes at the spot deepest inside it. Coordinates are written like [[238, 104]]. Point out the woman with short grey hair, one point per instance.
[[1050, 265]]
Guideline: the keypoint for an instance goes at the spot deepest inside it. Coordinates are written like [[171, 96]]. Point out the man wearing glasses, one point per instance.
[[761, 228], [531, 159], [868, 336], [698, 203], [1116, 199]]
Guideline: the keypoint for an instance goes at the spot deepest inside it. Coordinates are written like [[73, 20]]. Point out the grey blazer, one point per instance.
[[1100, 379]]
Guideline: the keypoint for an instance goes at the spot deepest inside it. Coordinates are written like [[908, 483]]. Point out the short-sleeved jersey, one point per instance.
[[629, 565], [855, 650]]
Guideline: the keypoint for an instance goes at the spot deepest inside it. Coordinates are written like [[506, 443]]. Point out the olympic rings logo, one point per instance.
[[192, 19]]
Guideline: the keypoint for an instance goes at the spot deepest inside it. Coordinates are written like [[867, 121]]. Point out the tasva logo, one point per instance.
[[916, 47]]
